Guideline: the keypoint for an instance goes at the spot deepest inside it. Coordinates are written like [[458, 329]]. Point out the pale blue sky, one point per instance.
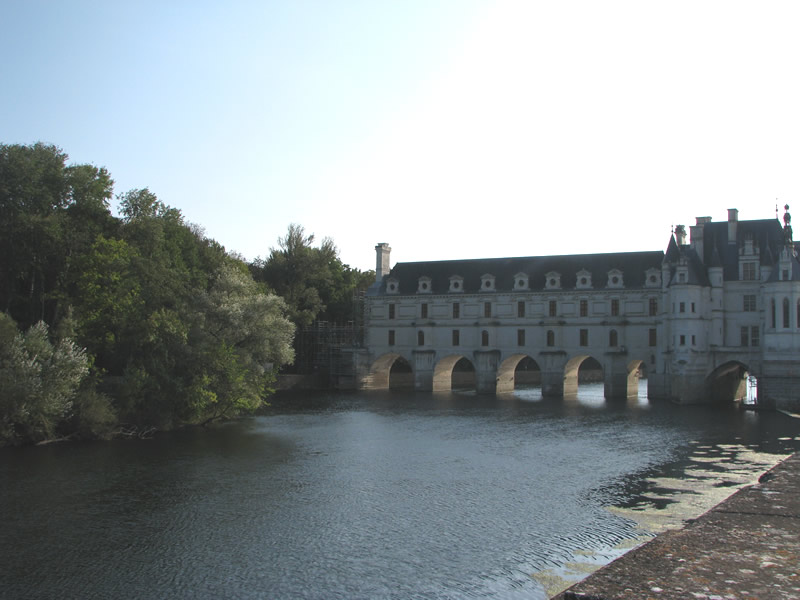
[[449, 129]]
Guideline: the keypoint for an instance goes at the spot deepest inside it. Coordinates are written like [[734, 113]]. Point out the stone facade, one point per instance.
[[696, 319]]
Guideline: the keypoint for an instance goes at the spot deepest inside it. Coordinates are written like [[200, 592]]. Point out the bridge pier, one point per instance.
[[618, 383], [423, 370], [552, 367], [486, 366], [779, 386]]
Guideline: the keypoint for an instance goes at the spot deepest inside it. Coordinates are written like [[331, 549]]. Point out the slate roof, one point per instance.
[[632, 264], [767, 236], [794, 265]]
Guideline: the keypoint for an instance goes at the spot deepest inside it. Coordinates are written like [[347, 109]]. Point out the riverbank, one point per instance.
[[747, 547]]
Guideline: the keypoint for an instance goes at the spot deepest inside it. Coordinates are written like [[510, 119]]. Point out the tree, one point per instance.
[[49, 213], [39, 379], [246, 338], [313, 281]]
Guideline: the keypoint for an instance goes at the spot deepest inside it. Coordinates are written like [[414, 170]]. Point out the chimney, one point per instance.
[[680, 234], [696, 236], [733, 218], [382, 252]]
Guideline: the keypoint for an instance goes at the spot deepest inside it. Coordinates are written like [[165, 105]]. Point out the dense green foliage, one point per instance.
[[315, 284], [133, 322]]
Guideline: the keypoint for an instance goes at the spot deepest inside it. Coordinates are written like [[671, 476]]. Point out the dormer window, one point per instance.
[[392, 286], [583, 280], [424, 285], [748, 248], [652, 278], [487, 283], [456, 283], [552, 280], [749, 272], [521, 281], [615, 279]]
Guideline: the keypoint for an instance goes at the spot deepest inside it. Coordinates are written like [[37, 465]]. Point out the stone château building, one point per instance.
[[697, 320]]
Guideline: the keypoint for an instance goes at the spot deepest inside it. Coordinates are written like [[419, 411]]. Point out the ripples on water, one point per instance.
[[380, 495]]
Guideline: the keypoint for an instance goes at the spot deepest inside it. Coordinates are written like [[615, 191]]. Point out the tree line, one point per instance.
[[124, 325]]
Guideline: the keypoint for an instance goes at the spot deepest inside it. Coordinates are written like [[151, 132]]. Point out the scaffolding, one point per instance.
[[326, 349]]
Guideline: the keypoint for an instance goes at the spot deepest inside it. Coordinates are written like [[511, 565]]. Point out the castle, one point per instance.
[[699, 320]]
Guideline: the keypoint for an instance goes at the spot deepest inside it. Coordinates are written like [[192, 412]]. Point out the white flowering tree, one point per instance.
[[39, 380]]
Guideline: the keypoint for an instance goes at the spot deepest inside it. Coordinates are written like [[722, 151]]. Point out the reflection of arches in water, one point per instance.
[[516, 370], [728, 382], [453, 372], [581, 369]]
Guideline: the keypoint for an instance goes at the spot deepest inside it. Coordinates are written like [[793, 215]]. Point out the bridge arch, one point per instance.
[[572, 371], [727, 382], [391, 371], [453, 367], [637, 368], [507, 373]]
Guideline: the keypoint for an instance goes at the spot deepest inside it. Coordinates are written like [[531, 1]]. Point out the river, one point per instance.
[[373, 495]]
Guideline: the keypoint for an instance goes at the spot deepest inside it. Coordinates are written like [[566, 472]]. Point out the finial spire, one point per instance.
[[787, 226]]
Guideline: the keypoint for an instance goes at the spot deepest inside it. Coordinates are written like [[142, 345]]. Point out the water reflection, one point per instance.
[[383, 495]]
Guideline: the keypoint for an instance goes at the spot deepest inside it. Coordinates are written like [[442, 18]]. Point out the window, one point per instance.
[[391, 311], [584, 308], [484, 338], [749, 303], [521, 308], [420, 338], [423, 310], [755, 336], [745, 336], [615, 307], [694, 340], [391, 337], [456, 310], [786, 313], [749, 271], [653, 337], [612, 338], [520, 337], [487, 309], [785, 275], [692, 306], [584, 337], [681, 277], [553, 307], [682, 307], [653, 307], [683, 340], [456, 337], [551, 338], [772, 305]]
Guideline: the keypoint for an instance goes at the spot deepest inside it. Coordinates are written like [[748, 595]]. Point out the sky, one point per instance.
[[447, 128]]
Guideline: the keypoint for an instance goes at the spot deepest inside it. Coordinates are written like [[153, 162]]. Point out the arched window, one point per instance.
[[551, 338], [786, 313], [772, 304], [612, 338], [484, 338], [420, 338]]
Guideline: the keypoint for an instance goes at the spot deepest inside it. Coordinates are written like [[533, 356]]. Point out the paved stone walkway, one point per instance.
[[746, 548]]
